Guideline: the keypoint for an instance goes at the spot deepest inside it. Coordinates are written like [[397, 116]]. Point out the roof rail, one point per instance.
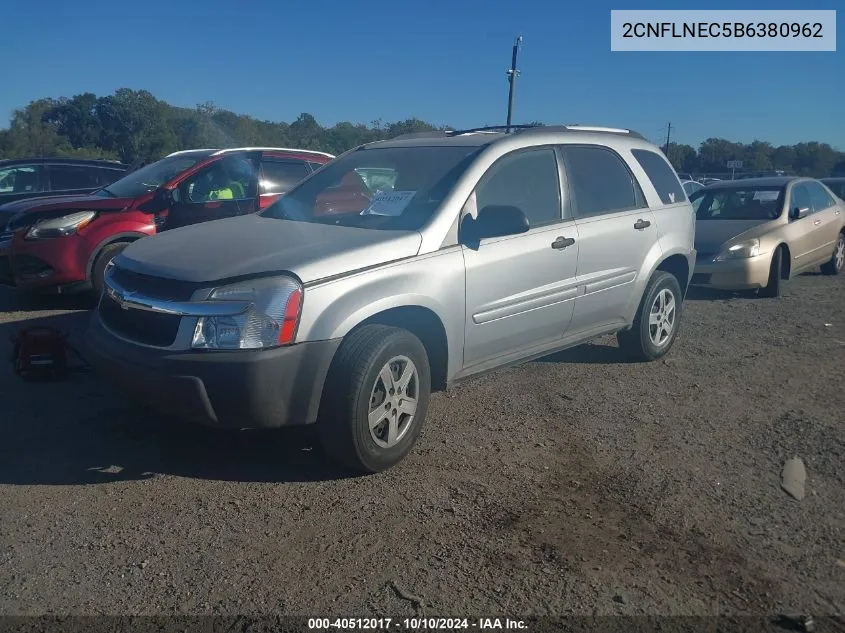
[[595, 128], [522, 128]]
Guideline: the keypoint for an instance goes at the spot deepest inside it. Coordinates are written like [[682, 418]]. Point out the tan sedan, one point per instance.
[[756, 233]]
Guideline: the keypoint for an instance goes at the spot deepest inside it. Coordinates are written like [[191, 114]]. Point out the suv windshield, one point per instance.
[[738, 203], [150, 177], [391, 188]]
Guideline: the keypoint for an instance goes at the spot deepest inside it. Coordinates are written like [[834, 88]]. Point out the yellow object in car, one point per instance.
[[221, 194]]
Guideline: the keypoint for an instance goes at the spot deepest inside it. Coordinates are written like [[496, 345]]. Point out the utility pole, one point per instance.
[[668, 134], [512, 74]]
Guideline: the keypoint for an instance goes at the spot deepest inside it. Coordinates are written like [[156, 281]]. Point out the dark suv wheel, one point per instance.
[[837, 260]]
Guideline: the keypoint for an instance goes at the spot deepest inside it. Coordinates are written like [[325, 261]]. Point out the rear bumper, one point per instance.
[[739, 274], [231, 389]]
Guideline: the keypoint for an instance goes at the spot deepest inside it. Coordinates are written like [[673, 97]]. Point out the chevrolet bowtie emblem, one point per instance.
[[122, 299]]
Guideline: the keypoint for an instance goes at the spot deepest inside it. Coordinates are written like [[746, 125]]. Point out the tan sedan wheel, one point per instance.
[[837, 260]]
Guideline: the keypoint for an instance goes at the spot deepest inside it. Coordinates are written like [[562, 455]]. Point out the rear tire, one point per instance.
[[658, 319], [837, 260], [98, 273], [774, 286], [365, 422]]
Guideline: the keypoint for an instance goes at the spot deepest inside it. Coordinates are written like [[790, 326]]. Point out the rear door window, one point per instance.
[[108, 176], [661, 175], [279, 176], [22, 179], [600, 181], [67, 177], [820, 198]]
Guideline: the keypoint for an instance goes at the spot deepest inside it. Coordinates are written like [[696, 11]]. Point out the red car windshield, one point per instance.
[[149, 178]]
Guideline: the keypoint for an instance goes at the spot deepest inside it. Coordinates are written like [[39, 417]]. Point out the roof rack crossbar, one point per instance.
[[493, 128], [428, 134]]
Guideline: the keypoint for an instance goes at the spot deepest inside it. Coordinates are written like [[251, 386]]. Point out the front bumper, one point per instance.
[[231, 389], [736, 274], [56, 265]]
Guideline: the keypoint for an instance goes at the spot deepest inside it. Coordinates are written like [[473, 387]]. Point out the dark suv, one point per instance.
[[33, 177]]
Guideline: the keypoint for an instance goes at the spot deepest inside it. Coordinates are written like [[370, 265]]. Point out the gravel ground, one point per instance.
[[578, 484]]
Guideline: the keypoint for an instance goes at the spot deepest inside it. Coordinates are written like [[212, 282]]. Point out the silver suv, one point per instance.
[[400, 268]]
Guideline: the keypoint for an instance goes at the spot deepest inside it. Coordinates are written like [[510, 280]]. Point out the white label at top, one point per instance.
[[745, 30]]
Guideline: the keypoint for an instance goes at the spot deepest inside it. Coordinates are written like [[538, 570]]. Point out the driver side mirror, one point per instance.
[[799, 212], [494, 221]]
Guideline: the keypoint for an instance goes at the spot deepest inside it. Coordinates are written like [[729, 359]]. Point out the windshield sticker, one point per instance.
[[766, 196], [390, 203]]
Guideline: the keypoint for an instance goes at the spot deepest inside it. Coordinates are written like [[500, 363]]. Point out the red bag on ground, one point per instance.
[[40, 353]]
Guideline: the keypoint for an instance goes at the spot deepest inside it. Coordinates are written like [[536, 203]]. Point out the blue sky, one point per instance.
[[443, 62]]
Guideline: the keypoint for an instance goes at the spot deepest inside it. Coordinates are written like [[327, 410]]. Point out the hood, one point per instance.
[[711, 235], [80, 202], [252, 245]]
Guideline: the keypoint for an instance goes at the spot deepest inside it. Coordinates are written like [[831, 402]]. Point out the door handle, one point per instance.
[[837, 212], [562, 242], [817, 222], [641, 224]]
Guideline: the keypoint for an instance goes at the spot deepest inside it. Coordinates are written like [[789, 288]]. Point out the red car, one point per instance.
[[64, 243]]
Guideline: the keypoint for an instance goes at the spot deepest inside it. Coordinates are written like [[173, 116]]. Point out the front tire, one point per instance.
[[98, 273], [375, 398], [656, 324], [837, 260]]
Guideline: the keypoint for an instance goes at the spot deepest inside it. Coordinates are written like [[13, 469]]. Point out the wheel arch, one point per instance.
[[126, 236], [427, 326], [678, 266], [786, 260]]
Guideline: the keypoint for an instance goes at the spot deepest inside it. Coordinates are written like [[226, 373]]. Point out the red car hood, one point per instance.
[[48, 203]]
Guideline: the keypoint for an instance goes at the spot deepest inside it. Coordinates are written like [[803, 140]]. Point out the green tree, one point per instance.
[[30, 134], [76, 119], [135, 125], [132, 124], [682, 157]]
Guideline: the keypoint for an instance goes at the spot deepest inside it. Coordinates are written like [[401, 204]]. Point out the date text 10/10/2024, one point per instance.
[[428, 624]]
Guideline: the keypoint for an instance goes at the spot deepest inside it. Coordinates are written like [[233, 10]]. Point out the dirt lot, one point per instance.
[[578, 484]]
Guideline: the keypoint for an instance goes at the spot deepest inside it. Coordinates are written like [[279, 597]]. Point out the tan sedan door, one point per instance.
[[806, 233], [828, 219]]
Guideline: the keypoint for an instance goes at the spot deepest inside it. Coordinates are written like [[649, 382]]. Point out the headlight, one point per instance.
[[270, 321], [60, 227], [743, 250]]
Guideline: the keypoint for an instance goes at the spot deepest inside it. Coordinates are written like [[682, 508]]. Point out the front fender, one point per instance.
[[434, 282]]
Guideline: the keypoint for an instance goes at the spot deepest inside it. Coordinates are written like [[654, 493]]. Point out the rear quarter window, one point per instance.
[[661, 175]]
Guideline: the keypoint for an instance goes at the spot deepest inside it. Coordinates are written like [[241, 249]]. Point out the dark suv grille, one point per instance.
[[143, 326], [150, 328]]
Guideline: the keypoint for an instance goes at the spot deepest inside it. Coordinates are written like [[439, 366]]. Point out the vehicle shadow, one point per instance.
[[81, 431], [703, 293], [588, 354]]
